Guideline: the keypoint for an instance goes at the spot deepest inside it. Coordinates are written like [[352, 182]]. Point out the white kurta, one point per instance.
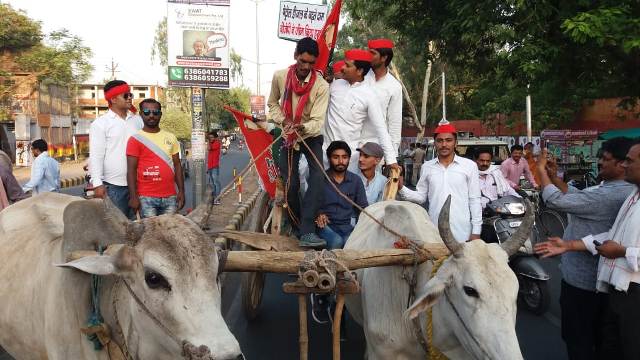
[[625, 231], [460, 180], [350, 108], [389, 92]]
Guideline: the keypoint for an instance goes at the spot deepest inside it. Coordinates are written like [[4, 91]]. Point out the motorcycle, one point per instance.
[[501, 219]]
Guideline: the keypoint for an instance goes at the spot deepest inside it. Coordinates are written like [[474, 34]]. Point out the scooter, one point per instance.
[[501, 219], [88, 192]]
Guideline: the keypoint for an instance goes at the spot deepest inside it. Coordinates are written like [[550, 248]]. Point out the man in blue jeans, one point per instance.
[[335, 214]]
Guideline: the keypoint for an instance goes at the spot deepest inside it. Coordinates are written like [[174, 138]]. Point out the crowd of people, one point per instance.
[[354, 117]]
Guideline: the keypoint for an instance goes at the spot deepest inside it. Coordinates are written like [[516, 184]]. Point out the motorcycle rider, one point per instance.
[[493, 185]]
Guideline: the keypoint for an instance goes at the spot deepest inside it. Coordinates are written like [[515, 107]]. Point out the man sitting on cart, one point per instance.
[[334, 218]]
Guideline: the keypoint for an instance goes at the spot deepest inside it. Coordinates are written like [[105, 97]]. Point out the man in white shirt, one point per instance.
[[353, 104], [45, 171], [493, 185], [386, 87], [449, 174], [108, 137], [618, 268]]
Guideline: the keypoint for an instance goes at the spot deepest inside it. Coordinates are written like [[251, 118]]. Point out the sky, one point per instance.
[[124, 30]]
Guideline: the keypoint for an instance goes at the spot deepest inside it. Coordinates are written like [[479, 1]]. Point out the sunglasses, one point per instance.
[[148, 112], [127, 96]]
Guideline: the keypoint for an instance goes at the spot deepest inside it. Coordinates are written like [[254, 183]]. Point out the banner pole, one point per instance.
[[198, 145]]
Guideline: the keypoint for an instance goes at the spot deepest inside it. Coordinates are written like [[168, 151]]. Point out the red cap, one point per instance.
[[337, 66], [358, 54], [380, 44], [445, 127]]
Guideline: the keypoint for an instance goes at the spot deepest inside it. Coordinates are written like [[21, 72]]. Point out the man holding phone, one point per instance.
[[592, 211]]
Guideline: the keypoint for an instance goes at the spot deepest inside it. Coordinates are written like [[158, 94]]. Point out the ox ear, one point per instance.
[[434, 289], [120, 263]]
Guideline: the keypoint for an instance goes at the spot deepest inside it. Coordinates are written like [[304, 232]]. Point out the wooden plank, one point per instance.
[[278, 210], [391, 188], [288, 262], [262, 241]]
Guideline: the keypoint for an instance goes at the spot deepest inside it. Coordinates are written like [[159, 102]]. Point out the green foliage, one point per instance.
[[17, 31], [159, 47], [62, 59], [569, 52], [216, 100], [177, 122], [236, 65]]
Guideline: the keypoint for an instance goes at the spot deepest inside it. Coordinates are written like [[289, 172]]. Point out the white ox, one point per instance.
[[169, 263], [473, 293]]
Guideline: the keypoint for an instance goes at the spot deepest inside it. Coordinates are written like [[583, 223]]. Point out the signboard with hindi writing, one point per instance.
[[299, 20], [198, 43]]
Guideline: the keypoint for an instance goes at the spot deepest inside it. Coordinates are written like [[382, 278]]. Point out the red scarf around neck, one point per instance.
[[292, 85]]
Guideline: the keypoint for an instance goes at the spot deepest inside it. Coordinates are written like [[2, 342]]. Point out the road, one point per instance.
[[274, 334]]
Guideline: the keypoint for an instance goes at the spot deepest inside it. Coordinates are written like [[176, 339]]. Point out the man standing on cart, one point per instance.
[[298, 103]]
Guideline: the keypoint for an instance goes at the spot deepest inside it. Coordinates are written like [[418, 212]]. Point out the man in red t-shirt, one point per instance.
[[213, 164], [153, 166]]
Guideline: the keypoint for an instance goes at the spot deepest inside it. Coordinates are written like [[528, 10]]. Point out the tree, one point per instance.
[[236, 66], [569, 52], [177, 122], [17, 30], [215, 101]]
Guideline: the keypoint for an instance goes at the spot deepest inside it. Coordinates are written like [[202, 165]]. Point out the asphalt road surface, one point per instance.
[[274, 333]]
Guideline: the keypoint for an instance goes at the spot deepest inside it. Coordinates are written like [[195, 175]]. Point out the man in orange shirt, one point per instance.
[[153, 166], [531, 160]]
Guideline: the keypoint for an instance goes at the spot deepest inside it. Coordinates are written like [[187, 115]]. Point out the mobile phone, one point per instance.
[[597, 243]]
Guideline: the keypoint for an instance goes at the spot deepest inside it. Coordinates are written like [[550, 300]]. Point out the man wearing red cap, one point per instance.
[[450, 174], [337, 69], [353, 105], [386, 87], [108, 137]]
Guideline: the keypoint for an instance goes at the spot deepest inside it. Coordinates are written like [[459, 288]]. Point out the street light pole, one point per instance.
[[257, 50]]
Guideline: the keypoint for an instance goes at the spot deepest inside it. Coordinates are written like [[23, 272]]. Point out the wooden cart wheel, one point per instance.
[[253, 282]]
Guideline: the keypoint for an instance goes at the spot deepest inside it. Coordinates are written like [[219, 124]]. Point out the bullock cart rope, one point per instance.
[[433, 352]]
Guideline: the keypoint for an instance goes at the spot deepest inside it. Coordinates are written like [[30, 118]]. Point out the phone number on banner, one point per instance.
[[199, 77]]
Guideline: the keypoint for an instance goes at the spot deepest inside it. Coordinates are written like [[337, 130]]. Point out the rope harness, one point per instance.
[[433, 352]]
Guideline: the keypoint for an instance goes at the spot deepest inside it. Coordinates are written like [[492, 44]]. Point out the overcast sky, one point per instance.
[[124, 30]]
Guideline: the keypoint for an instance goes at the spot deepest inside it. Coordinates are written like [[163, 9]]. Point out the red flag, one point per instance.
[[327, 38], [257, 140]]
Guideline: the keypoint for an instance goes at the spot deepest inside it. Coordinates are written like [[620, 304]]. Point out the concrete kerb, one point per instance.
[[237, 219], [72, 181]]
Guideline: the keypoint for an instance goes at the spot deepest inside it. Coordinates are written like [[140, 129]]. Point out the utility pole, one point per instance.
[[444, 98], [528, 115], [113, 69], [257, 50]]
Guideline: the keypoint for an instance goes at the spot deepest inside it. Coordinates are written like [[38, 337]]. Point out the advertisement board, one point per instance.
[[198, 43], [299, 20], [257, 103]]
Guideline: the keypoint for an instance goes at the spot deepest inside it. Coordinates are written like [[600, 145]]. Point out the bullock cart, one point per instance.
[[264, 248]]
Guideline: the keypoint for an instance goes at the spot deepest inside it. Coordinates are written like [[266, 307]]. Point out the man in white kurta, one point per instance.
[[450, 174], [387, 88], [618, 268], [353, 104]]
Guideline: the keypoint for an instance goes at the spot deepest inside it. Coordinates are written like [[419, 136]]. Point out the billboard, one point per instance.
[[198, 43], [299, 20], [257, 106]]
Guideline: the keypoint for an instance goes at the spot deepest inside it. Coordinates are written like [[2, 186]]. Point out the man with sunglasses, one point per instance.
[[153, 166], [108, 137]]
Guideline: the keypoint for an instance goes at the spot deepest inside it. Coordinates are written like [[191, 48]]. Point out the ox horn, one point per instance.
[[521, 235], [445, 228]]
